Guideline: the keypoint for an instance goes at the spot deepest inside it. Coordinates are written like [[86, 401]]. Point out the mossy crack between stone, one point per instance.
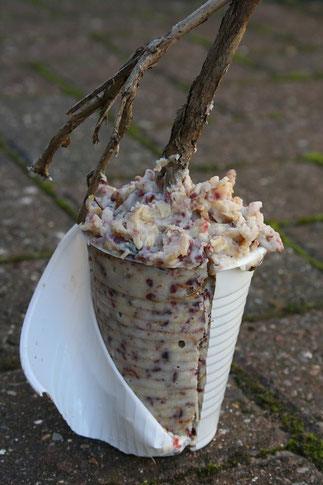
[[68, 88], [296, 247], [291, 309], [301, 442], [46, 187]]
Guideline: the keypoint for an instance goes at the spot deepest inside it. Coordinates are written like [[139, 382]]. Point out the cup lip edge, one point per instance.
[[243, 263]]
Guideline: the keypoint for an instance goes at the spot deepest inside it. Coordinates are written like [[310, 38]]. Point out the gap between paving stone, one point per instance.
[[246, 61], [68, 88], [184, 86], [49, 189], [140, 135], [303, 441], [286, 353], [243, 430], [14, 154], [296, 247]]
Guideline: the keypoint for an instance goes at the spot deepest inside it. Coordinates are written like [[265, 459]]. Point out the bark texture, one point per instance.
[[192, 117]]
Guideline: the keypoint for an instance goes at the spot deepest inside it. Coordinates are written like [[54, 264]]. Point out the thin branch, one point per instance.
[[192, 117], [127, 79]]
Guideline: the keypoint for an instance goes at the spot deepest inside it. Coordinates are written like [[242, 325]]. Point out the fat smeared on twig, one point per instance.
[[191, 118]]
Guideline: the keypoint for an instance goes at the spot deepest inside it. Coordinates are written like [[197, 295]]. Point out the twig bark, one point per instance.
[[124, 83], [192, 117]]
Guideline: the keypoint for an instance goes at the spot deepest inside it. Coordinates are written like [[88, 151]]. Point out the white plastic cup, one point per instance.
[[126, 307], [64, 356]]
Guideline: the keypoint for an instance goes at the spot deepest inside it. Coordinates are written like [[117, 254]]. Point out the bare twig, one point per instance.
[[127, 80], [192, 117]]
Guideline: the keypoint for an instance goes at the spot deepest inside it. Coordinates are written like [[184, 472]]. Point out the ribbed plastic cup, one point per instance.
[[228, 304], [170, 333]]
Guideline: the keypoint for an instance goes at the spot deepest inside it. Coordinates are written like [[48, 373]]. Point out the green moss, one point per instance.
[[137, 134], [293, 76], [301, 442], [200, 40], [252, 387], [103, 38], [56, 79], [46, 187], [238, 56], [208, 470], [245, 61], [291, 309], [276, 115], [277, 226], [270, 451], [313, 157], [309, 446], [309, 219], [9, 363], [134, 131], [300, 251]]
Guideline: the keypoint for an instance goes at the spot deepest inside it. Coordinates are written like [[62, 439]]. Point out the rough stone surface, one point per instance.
[[310, 237], [283, 281], [288, 353], [267, 117], [276, 185], [284, 469], [31, 223], [40, 446], [17, 285]]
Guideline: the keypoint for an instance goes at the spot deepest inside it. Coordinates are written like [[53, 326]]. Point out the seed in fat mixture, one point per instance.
[[173, 289]]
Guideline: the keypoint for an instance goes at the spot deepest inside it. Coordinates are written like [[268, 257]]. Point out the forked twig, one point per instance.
[[127, 80], [192, 116]]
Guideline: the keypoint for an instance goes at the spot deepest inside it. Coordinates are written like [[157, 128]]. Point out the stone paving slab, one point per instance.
[[309, 237], [18, 282], [284, 281], [276, 185], [280, 143], [255, 120], [31, 222], [260, 142], [25, 125], [282, 469], [43, 37], [287, 352], [41, 447], [71, 165]]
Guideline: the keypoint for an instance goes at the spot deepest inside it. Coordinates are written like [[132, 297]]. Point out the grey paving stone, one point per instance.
[[283, 281], [286, 189], [25, 123], [31, 222], [39, 446], [309, 236], [287, 352], [284, 468], [43, 36], [18, 283], [290, 19]]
